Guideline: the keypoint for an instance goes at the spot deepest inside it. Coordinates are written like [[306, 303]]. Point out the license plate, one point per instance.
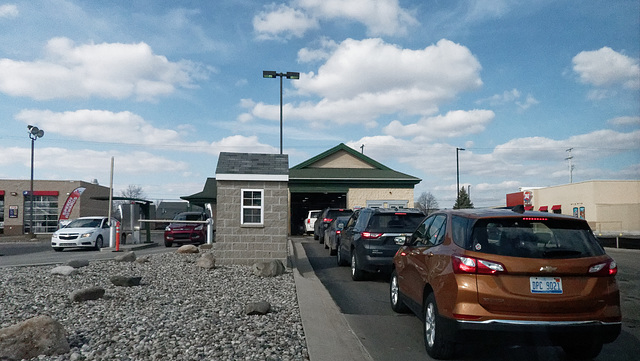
[[546, 285]]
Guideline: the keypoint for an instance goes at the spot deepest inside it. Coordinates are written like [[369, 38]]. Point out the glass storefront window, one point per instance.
[[45, 214]]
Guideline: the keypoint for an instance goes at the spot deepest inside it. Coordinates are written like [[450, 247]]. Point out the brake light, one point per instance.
[[609, 268], [462, 264], [308, 221], [400, 214], [534, 219], [327, 220], [338, 231], [370, 235]]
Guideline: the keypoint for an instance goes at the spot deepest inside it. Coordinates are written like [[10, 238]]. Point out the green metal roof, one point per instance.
[[306, 178], [208, 194]]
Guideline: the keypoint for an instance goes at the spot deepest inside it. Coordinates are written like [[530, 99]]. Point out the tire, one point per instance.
[[333, 251], [397, 304], [57, 249], [357, 274], [168, 243], [436, 336], [339, 259], [582, 350], [99, 243], [315, 236]]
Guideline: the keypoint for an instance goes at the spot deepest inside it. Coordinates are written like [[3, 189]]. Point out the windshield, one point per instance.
[[534, 237], [84, 223], [188, 217], [395, 222]]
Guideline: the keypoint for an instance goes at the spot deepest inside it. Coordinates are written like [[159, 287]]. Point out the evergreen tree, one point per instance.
[[463, 200]]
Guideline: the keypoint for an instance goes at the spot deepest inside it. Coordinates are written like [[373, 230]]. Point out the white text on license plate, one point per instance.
[[551, 285]]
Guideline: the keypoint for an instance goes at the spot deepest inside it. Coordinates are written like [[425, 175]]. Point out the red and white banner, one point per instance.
[[71, 201]]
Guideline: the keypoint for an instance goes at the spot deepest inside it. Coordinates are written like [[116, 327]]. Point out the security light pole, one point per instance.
[[34, 133], [458, 173], [289, 75]]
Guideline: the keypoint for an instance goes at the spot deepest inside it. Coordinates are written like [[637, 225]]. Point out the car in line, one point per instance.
[[328, 215], [514, 276], [184, 228], [372, 236], [83, 232], [310, 221], [332, 234]]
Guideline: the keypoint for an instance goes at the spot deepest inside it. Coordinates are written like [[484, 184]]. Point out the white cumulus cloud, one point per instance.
[[606, 67]]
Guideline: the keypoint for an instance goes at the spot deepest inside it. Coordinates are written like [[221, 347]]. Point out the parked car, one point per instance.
[[532, 276], [328, 215], [83, 232], [310, 221], [184, 232], [332, 234], [372, 236]]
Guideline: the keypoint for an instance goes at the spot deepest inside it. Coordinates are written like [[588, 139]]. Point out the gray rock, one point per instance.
[[206, 246], [188, 248], [127, 257], [268, 269], [257, 308], [125, 281], [40, 335], [86, 294], [143, 259], [78, 263], [206, 261], [64, 271]]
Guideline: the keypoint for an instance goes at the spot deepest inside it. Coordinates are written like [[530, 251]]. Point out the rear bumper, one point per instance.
[[554, 331]]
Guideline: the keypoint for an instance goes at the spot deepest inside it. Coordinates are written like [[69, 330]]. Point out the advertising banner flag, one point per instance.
[[71, 201]]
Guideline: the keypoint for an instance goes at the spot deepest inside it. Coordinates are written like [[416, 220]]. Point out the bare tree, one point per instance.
[[427, 203], [133, 191]]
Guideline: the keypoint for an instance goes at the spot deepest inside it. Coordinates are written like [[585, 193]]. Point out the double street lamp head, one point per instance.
[[272, 74], [35, 132]]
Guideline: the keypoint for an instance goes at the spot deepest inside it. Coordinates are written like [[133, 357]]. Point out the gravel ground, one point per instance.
[[179, 312]]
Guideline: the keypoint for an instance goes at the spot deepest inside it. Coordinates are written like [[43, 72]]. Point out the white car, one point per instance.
[[83, 232], [310, 221]]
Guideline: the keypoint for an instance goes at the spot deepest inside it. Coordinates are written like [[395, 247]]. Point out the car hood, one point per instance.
[[76, 230]]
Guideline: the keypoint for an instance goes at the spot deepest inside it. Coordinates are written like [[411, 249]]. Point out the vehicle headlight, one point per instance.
[[54, 235], [85, 235], [168, 229], [198, 228]]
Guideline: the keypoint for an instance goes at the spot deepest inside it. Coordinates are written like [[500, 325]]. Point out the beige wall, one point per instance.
[[341, 159], [610, 206], [84, 207], [358, 197], [236, 244]]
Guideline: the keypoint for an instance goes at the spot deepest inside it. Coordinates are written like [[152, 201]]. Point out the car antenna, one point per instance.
[[518, 209]]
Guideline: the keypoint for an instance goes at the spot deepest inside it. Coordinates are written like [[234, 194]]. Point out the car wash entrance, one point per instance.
[[303, 202]]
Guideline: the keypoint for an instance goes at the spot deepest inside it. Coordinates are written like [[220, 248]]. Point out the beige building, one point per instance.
[[49, 199], [610, 207]]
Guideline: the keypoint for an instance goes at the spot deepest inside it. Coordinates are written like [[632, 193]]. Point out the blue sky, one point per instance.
[[163, 87]]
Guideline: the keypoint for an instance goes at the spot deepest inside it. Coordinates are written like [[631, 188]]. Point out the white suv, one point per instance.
[[310, 221]]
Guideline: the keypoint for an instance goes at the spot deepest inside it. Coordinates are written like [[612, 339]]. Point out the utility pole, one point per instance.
[[570, 159]]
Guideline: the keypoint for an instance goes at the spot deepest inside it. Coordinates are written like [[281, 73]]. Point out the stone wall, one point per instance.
[[247, 244], [358, 197]]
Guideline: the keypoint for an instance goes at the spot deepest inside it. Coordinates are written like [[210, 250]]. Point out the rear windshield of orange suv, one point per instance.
[[528, 237]]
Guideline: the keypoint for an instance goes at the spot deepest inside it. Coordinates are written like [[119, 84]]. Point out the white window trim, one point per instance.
[[243, 207]]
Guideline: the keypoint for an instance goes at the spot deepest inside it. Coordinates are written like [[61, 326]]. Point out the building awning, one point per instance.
[[556, 207], [528, 208], [544, 209]]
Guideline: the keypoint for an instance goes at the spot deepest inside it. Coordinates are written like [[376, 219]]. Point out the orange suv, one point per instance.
[[518, 276]]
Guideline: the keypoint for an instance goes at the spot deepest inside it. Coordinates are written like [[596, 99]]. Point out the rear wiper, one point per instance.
[[559, 253]]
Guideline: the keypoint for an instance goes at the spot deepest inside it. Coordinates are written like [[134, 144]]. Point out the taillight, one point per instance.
[[308, 221], [370, 235], [609, 268], [337, 231], [327, 220], [462, 264]]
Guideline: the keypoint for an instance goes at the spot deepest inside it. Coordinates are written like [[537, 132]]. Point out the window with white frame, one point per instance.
[[252, 206]]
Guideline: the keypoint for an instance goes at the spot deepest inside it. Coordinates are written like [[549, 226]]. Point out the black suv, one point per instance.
[[327, 215], [372, 236]]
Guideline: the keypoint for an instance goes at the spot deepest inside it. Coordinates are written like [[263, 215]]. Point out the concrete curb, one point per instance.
[[130, 247], [328, 334]]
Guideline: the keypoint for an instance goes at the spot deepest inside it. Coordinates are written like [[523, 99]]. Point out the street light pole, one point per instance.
[[288, 75], [34, 133], [458, 174]]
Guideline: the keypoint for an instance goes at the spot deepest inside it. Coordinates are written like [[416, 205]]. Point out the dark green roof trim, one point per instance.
[[347, 149], [352, 175], [322, 188], [208, 194]]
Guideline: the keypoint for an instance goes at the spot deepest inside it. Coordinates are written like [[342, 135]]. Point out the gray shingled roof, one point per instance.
[[252, 163]]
